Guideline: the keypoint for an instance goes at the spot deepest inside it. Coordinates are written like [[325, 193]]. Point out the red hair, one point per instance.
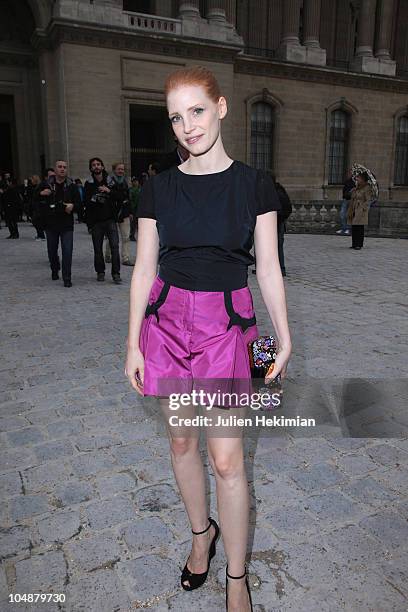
[[196, 75]]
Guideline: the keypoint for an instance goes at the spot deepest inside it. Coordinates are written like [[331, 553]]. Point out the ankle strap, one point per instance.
[[236, 577], [206, 529]]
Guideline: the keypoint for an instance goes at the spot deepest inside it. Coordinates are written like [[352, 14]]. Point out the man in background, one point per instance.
[[101, 218], [121, 203], [12, 205], [134, 192], [58, 198]]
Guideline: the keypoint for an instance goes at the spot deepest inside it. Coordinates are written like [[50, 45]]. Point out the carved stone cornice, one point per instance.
[[81, 33], [271, 68], [64, 31]]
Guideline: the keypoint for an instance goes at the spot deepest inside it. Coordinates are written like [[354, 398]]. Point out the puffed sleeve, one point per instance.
[[266, 196], [145, 207]]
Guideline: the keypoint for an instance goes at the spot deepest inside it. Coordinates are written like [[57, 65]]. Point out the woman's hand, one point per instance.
[[280, 365], [134, 369]]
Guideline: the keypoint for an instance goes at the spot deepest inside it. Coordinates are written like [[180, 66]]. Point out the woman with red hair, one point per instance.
[[194, 320]]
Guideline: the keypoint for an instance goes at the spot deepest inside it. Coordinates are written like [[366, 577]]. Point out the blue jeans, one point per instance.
[[343, 215], [67, 242]]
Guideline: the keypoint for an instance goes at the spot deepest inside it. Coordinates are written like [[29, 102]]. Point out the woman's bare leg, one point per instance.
[[227, 459], [189, 475]]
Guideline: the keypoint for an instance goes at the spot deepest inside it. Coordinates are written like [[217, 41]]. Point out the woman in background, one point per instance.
[[357, 215]]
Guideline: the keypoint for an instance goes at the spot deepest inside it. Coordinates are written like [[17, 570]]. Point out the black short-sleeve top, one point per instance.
[[206, 224]]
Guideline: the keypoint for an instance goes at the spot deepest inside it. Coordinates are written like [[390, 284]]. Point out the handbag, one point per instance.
[[262, 355]]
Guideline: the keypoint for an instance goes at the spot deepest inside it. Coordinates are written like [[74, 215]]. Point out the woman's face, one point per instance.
[[360, 180], [195, 118]]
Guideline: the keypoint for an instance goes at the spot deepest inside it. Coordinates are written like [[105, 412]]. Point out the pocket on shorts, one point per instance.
[[243, 303], [240, 309], [157, 297]]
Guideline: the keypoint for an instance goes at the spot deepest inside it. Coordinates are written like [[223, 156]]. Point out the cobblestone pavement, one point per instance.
[[89, 505]]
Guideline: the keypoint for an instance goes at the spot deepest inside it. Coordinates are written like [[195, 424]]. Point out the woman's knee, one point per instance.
[[228, 467], [181, 447]]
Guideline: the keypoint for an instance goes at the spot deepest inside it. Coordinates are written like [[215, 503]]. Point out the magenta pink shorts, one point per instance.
[[195, 335]]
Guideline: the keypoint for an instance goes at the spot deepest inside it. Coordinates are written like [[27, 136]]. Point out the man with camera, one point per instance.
[[101, 216], [58, 198]]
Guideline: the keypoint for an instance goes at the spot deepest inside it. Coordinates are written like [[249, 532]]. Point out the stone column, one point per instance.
[[290, 48], [311, 32], [257, 25], [219, 27], [291, 19], [189, 9], [216, 11], [366, 25], [385, 18], [163, 8], [273, 31], [364, 60], [311, 23], [231, 11]]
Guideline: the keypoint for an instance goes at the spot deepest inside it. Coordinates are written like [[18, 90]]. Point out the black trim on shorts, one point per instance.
[[154, 308], [235, 318]]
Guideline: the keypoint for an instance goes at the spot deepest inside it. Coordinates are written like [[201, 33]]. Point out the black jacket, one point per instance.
[[348, 186], [286, 204], [12, 202], [98, 206], [113, 206], [120, 198], [51, 208]]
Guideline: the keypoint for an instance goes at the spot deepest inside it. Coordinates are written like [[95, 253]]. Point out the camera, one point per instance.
[[53, 204], [56, 205], [100, 198]]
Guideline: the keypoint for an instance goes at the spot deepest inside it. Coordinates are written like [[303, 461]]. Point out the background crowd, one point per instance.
[[107, 203], [19, 202]]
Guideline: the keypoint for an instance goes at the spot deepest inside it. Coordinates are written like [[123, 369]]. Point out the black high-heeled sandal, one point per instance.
[[227, 575], [197, 580]]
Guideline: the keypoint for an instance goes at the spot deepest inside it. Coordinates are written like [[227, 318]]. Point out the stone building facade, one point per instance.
[[312, 85]]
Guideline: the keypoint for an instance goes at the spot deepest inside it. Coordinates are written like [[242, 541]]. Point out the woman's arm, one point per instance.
[[270, 282], [144, 273]]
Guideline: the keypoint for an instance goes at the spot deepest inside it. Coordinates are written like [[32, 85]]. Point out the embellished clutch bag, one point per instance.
[[262, 354]]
